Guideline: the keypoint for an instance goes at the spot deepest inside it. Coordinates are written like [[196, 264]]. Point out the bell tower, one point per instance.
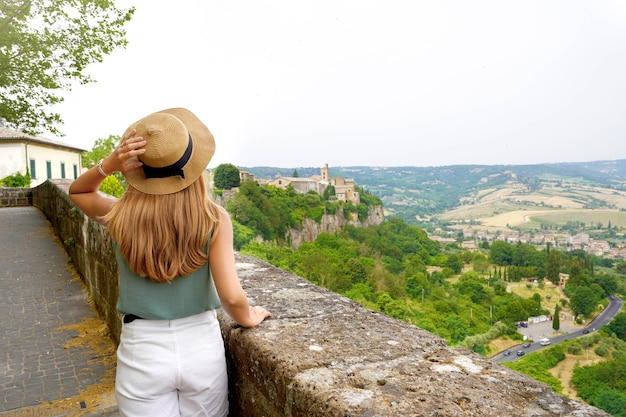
[[324, 172]]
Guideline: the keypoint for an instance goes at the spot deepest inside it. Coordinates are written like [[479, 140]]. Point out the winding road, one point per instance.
[[614, 307]]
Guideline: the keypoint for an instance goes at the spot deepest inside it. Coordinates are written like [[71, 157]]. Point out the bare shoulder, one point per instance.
[[224, 215]]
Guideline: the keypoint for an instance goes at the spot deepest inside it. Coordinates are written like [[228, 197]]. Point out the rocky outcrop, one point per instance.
[[311, 229], [330, 223]]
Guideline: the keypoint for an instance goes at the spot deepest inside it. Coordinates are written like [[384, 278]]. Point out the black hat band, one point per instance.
[[171, 170]]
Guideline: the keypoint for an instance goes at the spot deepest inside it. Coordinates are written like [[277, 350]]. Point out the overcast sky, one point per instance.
[[380, 83]]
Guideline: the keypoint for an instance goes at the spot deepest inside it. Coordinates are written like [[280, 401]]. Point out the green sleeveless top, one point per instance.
[[182, 297]]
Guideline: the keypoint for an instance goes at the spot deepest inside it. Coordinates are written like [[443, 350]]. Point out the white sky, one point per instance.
[[379, 83]]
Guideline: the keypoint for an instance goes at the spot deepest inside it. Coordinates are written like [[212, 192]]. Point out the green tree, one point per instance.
[[45, 47], [329, 192], [607, 282], [582, 301], [242, 235], [454, 263], [553, 265], [101, 149], [226, 176], [357, 270], [556, 320], [602, 385], [618, 326], [457, 327], [501, 253], [361, 292], [480, 263]]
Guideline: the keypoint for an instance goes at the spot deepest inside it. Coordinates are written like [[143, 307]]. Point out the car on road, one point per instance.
[[520, 353], [507, 353], [585, 331], [526, 345]]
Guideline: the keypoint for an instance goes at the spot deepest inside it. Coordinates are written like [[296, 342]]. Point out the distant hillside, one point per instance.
[[418, 193]]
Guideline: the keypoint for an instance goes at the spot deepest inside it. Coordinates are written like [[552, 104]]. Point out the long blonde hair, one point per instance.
[[164, 237]]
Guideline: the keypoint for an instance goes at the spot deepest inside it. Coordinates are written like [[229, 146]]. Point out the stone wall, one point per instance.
[[321, 354], [16, 197], [88, 245]]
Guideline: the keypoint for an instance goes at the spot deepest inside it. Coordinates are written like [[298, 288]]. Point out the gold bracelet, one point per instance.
[[100, 170]]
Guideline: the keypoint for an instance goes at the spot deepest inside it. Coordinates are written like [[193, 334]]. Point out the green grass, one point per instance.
[[589, 217]]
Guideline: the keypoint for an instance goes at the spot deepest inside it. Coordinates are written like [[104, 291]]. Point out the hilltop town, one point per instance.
[[345, 189], [563, 241]]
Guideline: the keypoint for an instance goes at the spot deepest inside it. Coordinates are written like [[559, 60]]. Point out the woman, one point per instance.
[[174, 249]]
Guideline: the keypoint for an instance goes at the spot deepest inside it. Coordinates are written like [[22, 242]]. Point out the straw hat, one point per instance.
[[178, 149]]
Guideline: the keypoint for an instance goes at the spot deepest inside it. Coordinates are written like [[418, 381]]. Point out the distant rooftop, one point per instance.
[[10, 135]]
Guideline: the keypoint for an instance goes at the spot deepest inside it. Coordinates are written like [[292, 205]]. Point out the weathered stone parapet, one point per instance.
[[15, 197], [88, 245], [321, 354]]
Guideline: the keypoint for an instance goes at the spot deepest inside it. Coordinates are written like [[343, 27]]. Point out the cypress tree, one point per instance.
[[556, 321]]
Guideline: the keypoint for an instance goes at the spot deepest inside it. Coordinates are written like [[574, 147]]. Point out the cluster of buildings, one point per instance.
[[562, 241], [345, 189]]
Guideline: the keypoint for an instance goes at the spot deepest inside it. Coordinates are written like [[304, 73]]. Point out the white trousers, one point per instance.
[[172, 368]]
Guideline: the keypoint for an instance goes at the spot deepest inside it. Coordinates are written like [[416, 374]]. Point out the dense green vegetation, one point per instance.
[[270, 212], [17, 180], [396, 269], [602, 385]]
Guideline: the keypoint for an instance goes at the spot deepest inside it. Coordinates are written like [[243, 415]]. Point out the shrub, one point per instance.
[[574, 348], [112, 186], [601, 350], [17, 180]]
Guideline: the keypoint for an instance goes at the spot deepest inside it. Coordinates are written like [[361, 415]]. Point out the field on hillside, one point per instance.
[[515, 205]]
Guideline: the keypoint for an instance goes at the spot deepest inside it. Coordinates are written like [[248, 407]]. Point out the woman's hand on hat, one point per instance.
[[124, 157]]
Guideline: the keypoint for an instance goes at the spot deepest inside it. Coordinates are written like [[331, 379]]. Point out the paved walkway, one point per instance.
[[56, 358]]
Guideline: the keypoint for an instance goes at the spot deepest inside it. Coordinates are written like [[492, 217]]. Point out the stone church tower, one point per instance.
[[324, 172]]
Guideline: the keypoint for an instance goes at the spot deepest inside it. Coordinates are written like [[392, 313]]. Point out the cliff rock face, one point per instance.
[[310, 230], [331, 223]]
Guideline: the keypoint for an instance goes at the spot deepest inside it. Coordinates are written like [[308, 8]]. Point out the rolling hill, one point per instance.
[[491, 195]]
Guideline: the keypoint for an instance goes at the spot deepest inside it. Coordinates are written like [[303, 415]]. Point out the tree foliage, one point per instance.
[[112, 186], [226, 176], [553, 266], [17, 180], [501, 253], [538, 365], [101, 149], [603, 386], [617, 326], [556, 320], [45, 47]]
